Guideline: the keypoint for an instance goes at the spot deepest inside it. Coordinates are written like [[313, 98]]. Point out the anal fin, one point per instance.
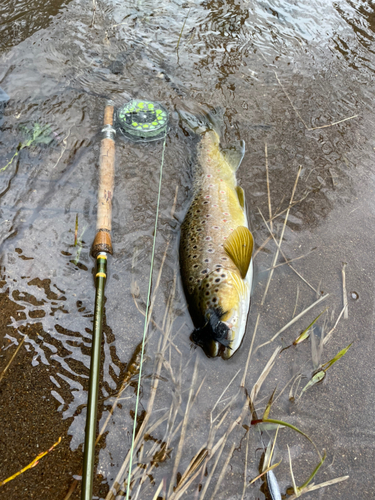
[[239, 247]]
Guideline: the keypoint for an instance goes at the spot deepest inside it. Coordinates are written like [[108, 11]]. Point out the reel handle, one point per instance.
[[102, 241]]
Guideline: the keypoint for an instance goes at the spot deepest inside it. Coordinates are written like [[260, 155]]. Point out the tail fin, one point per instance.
[[201, 120]]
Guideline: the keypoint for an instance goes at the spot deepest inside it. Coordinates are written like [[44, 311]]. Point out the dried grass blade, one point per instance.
[[2, 375], [290, 100], [221, 443], [194, 465], [31, 464], [329, 334], [222, 394], [278, 245], [296, 318], [268, 186], [158, 491], [184, 427], [250, 351], [264, 374], [281, 236], [245, 466], [314, 487], [223, 471], [296, 492], [344, 294], [271, 467]]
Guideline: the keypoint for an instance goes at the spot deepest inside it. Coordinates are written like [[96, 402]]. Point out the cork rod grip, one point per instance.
[[102, 241]]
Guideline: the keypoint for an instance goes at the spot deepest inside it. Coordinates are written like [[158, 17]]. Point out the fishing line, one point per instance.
[[146, 319]]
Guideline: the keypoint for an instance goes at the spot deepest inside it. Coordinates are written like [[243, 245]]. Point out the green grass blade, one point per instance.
[[305, 334], [300, 488], [336, 358], [269, 404], [317, 377], [286, 424]]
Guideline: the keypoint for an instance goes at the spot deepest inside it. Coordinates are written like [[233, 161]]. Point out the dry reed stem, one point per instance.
[[268, 186], [173, 209], [291, 260], [344, 294], [222, 394], [291, 103], [281, 236], [223, 471], [63, 149], [212, 472], [292, 475], [250, 351], [273, 447], [259, 249], [285, 386], [314, 487], [326, 339], [222, 442], [296, 318], [334, 123], [2, 375], [245, 465], [184, 427], [195, 463], [158, 491], [293, 205], [286, 259], [300, 117], [266, 370], [297, 297]]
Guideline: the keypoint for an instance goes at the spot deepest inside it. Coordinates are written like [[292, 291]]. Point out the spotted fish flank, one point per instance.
[[215, 251]]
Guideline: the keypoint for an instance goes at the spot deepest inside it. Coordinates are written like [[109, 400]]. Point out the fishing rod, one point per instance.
[[140, 121], [101, 248]]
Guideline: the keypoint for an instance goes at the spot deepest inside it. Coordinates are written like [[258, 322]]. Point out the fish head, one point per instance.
[[223, 307]]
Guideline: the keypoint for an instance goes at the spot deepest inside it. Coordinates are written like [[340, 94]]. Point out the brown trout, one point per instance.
[[215, 251]]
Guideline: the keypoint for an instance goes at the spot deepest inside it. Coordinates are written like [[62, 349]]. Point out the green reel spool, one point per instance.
[[143, 120]]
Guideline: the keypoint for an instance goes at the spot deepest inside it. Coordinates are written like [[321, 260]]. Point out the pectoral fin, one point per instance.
[[241, 196], [234, 154], [239, 247]]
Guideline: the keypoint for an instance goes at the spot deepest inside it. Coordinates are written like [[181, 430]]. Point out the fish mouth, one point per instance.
[[214, 335]]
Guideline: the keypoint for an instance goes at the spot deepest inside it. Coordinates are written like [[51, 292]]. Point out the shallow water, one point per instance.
[[277, 71]]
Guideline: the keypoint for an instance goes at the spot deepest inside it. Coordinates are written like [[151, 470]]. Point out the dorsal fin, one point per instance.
[[239, 247], [234, 154], [241, 196]]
